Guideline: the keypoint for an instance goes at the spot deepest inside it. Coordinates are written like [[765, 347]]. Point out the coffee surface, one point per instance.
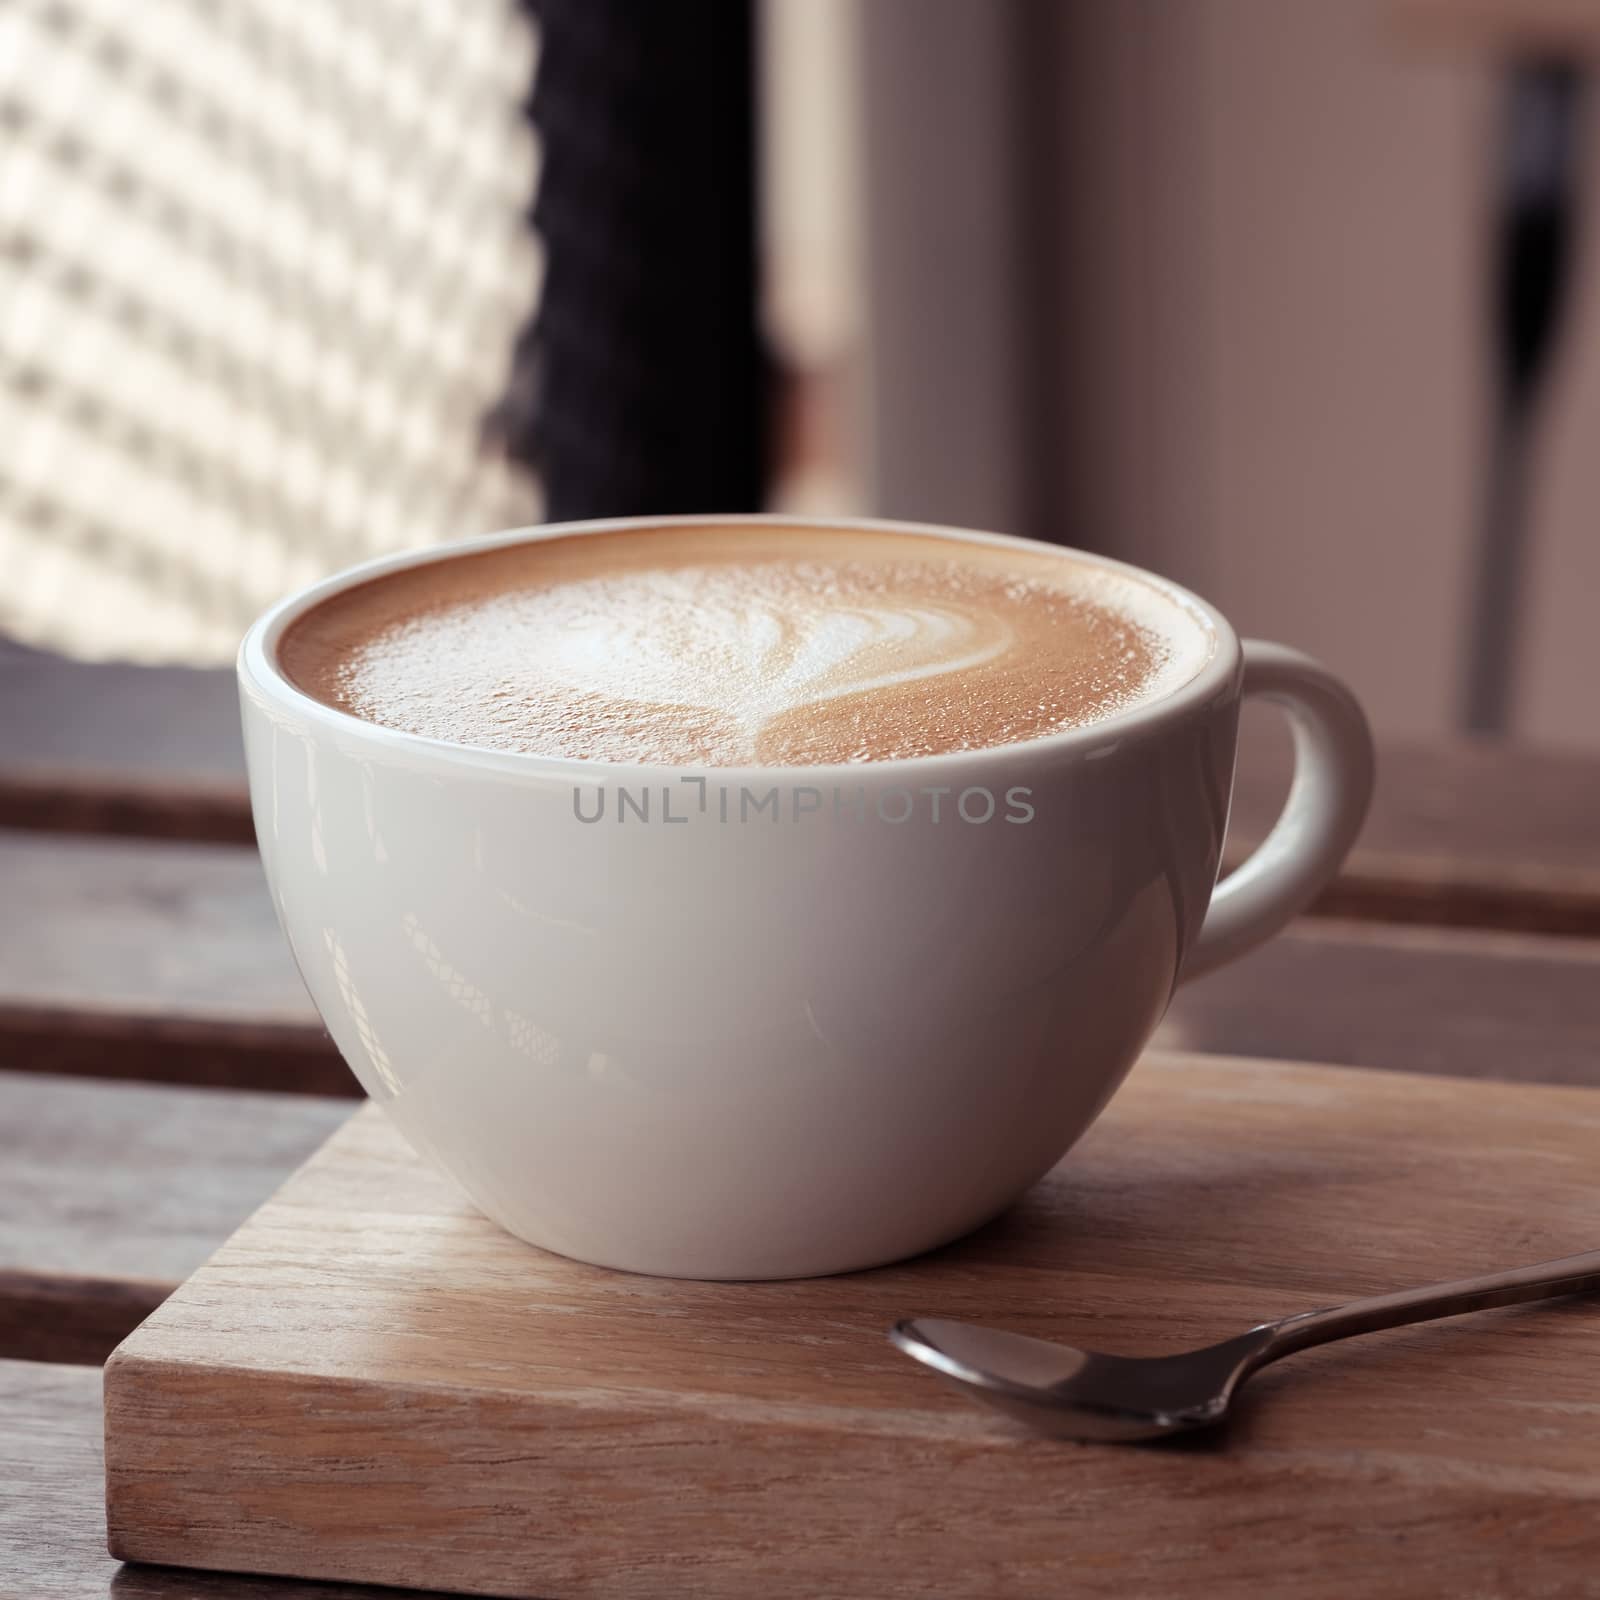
[[738, 646]]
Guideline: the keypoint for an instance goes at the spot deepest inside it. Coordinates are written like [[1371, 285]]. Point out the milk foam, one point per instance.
[[739, 646], [748, 643]]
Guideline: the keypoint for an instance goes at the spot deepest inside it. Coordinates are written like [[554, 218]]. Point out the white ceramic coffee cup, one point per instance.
[[772, 1047]]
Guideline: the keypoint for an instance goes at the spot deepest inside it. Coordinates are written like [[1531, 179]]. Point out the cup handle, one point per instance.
[[1333, 770]]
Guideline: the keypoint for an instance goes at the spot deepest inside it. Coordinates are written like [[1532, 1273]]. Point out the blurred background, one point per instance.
[[1295, 303]]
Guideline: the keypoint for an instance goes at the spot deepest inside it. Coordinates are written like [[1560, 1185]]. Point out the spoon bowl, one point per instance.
[[1081, 1394]]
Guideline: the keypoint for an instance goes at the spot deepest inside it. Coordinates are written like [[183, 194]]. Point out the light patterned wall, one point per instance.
[[261, 271]]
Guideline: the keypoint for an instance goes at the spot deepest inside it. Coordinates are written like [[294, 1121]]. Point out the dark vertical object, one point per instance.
[[1535, 224], [640, 386], [1039, 40]]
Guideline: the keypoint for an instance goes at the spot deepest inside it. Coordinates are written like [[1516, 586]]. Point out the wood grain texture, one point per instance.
[[104, 747], [71, 1317], [112, 1194], [177, 806], [132, 1042], [1463, 1002], [370, 1381], [1461, 832], [185, 925], [153, 960], [52, 1505]]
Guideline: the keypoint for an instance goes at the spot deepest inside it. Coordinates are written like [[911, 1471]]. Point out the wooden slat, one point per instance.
[[112, 1194], [70, 800], [180, 928], [52, 1505], [1462, 832], [142, 959], [150, 960], [87, 1040], [1462, 1002], [109, 748], [124, 1188]]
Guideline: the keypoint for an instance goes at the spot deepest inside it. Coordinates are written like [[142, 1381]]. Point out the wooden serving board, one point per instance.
[[371, 1382]]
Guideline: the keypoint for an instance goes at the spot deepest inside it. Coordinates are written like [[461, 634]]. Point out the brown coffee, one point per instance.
[[759, 645]]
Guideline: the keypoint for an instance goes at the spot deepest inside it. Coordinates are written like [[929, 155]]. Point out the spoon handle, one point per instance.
[[1569, 1275]]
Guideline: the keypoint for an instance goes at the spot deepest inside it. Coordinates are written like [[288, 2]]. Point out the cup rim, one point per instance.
[[260, 673]]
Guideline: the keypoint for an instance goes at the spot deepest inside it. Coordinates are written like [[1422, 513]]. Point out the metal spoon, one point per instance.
[[1079, 1394]]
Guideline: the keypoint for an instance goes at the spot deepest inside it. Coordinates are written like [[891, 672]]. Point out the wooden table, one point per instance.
[[161, 1069]]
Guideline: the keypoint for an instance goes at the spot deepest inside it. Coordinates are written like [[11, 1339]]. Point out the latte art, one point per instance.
[[746, 644], [742, 646]]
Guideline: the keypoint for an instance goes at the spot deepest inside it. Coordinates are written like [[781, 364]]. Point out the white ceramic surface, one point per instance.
[[759, 1048]]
